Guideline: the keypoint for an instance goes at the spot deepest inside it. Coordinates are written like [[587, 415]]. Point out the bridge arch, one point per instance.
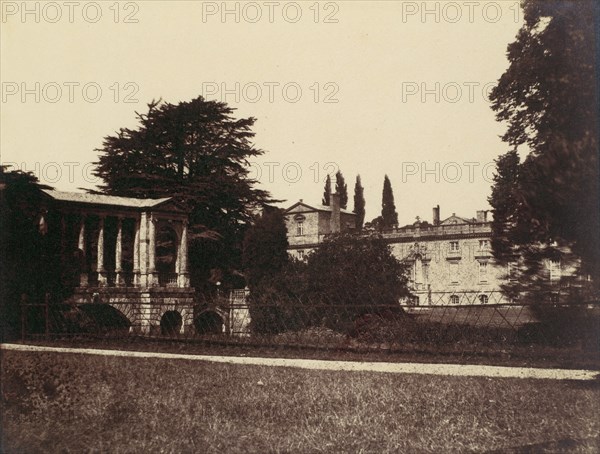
[[106, 318], [171, 323], [210, 320]]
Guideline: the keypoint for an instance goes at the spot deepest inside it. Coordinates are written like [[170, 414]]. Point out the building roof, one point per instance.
[[454, 219], [317, 208], [101, 199]]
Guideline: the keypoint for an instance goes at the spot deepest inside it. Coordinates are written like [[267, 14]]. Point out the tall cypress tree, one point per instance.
[[359, 203], [342, 189], [327, 191], [388, 209]]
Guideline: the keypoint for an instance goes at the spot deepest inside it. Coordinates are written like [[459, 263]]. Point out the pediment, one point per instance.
[[300, 207]]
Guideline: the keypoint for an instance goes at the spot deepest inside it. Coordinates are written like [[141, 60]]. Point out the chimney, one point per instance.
[[481, 216], [334, 221], [436, 215]]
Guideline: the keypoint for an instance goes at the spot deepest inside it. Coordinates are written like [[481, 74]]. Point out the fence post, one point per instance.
[[46, 315]]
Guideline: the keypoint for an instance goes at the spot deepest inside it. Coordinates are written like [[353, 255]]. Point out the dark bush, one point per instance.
[[347, 278], [350, 276], [274, 308]]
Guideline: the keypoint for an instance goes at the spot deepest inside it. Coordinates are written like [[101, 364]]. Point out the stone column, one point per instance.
[[152, 276], [102, 281], [178, 257], [83, 276], [136, 255], [119, 280], [143, 252], [183, 278]]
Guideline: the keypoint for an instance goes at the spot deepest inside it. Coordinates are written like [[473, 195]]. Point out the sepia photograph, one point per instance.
[[300, 226]]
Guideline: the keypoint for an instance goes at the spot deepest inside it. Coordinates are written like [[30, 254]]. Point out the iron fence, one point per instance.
[[471, 324]]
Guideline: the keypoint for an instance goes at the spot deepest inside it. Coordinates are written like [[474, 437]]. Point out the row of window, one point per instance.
[[481, 299], [455, 299], [454, 272], [420, 272], [484, 245]]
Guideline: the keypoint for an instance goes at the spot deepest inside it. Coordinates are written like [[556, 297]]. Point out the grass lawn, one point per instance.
[[54, 402]]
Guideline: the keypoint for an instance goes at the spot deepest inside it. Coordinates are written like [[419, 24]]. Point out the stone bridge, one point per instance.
[[132, 255]]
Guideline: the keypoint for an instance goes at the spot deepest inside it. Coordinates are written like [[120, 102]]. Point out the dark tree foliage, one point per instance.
[[278, 304], [347, 277], [375, 224], [32, 263], [269, 274], [327, 191], [355, 275], [265, 247], [504, 201], [359, 203], [342, 189], [197, 153], [548, 97], [388, 209]]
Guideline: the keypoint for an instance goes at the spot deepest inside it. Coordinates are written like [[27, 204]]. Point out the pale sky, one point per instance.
[[374, 88]]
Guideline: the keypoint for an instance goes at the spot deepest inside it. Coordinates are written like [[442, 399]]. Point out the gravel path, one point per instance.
[[396, 368]]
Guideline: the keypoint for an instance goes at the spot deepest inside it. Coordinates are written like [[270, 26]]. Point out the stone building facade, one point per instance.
[[308, 225], [451, 260]]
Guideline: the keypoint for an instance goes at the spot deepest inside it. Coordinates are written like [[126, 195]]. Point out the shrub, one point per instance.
[[350, 276], [345, 279], [276, 303]]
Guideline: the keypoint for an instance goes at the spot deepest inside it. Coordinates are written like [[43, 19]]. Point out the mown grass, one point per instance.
[[78, 403]]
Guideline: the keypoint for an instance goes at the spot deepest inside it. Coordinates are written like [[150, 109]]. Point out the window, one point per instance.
[[483, 299], [483, 267], [454, 246], [418, 271], [554, 270], [484, 245], [425, 273], [301, 254], [300, 228], [454, 272], [454, 299]]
